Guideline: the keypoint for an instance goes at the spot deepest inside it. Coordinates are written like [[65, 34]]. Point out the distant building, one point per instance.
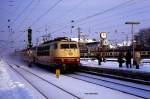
[[88, 48]]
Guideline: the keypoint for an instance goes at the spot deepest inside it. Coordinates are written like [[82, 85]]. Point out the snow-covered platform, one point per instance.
[[82, 89], [10, 89], [112, 67]]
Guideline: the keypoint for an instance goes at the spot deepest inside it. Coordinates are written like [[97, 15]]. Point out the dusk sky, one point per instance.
[[92, 16]]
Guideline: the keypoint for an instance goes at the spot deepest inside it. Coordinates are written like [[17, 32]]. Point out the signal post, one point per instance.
[[30, 45], [29, 37]]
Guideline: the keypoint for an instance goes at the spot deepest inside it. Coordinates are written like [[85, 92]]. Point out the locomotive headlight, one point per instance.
[[77, 59], [62, 60]]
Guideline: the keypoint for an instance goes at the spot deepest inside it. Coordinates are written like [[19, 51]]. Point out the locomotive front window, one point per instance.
[[64, 46], [55, 46], [73, 46]]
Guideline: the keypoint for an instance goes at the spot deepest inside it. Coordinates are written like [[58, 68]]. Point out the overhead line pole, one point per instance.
[[79, 35], [133, 45]]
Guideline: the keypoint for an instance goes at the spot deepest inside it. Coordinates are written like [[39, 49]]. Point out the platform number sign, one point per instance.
[[57, 73]]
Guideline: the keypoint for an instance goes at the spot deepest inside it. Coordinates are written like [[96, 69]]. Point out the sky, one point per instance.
[[55, 17]]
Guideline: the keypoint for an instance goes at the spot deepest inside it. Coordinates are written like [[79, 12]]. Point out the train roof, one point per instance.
[[62, 39]]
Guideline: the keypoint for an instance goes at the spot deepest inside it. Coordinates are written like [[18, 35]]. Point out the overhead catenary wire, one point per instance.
[[119, 15], [20, 14], [100, 13], [88, 16], [28, 15], [78, 22], [119, 26], [122, 24], [96, 14], [73, 8], [17, 7], [68, 12], [105, 11], [46, 12]]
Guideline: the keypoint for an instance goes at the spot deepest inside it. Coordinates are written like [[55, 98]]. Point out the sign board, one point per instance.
[[105, 42], [57, 73]]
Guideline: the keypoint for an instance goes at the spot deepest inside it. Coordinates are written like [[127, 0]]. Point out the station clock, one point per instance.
[[103, 35]]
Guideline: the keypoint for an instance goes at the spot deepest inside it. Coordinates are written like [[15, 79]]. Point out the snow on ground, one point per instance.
[[13, 86], [114, 85], [144, 67], [10, 89], [80, 88], [83, 89]]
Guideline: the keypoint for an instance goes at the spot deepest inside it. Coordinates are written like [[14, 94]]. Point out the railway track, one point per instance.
[[42, 93], [131, 76], [94, 80], [118, 86]]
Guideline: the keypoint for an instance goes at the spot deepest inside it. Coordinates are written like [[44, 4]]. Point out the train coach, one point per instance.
[[60, 52]]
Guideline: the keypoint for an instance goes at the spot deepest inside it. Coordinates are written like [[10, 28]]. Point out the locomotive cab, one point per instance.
[[67, 54]]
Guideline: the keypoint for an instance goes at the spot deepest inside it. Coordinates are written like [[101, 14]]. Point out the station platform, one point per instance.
[[111, 68]]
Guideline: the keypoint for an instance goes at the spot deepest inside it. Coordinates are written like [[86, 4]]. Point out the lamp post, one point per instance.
[[132, 23]]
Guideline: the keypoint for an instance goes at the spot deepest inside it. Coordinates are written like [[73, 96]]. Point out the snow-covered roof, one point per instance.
[[83, 40]]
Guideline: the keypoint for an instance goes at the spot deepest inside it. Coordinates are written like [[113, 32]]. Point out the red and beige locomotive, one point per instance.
[[60, 52]]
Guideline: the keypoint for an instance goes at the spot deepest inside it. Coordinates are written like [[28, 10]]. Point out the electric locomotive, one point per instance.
[[60, 52]]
